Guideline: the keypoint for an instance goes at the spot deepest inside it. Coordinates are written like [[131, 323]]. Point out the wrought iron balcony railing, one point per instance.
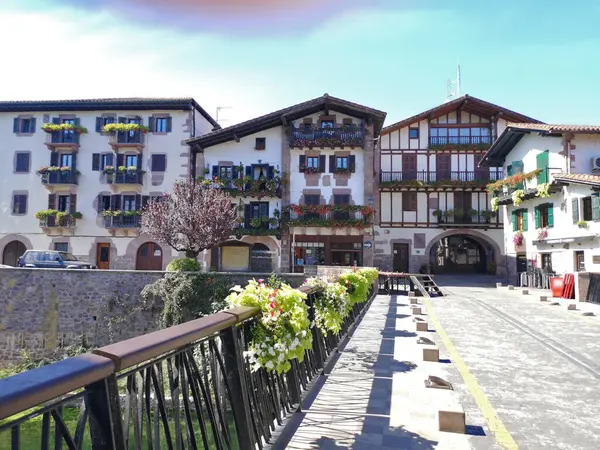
[[54, 222], [460, 140], [357, 218], [64, 137], [480, 177], [136, 177], [465, 218], [123, 221], [327, 137], [60, 177]]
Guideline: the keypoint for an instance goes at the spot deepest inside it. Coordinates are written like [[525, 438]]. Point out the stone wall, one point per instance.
[[42, 310]]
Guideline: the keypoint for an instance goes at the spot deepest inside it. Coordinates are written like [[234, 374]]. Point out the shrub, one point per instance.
[[357, 285], [184, 265], [186, 296]]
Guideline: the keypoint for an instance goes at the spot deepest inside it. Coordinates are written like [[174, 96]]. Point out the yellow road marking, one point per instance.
[[502, 435]]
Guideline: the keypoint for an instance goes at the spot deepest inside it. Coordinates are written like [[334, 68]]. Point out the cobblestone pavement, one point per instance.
[[361, 403], [538, 364]]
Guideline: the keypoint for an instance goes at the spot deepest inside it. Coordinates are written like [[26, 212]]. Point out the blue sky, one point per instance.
[[536, 57]]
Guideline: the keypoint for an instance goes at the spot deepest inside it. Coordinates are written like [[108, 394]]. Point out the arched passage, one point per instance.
[[261, 258], [12, 251], [149, 257]]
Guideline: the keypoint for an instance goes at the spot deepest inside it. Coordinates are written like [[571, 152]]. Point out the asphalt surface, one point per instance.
[[537, 364]]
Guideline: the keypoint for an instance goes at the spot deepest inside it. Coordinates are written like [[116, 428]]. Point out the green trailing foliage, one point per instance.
[[184, 265]]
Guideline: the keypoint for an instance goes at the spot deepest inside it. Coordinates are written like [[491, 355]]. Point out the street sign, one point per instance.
[[368, 244]]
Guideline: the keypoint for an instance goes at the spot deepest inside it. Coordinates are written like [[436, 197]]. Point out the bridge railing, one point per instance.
[[187, 386]]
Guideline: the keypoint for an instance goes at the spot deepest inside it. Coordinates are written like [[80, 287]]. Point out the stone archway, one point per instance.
[[13, 246], [466, 248], [149, 257]]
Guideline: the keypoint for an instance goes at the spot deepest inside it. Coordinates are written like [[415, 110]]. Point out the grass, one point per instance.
[[30, 432]]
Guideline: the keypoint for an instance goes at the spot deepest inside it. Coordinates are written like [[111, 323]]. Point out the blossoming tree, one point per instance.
[[191, 218]]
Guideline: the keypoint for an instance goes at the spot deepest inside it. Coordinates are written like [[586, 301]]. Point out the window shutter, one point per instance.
[[120, 160], [99, 203], [302, 162], [54, 158], [74, 161], [575, 209], [542, 164], [73, 203], [515, 221], [247, 215], [271, 173], [595, 206], [109, 159], [159, 163], [352, 163], [322, 163], [115, 202], [138, 202], [121, 136], [264, 209], [16, 125], [52, 201], [525, 219], [538, 217], [139, 162], [32, 125], [55, 134], [151, 124], [145, 200], [331, 163], [215, 171], [95, 162], [169, 124], [22, 204], [248, 171], [550, 215], [22, 165], [99, 123], [509, 170]]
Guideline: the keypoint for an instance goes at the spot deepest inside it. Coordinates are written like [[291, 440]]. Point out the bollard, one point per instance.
[[498, 285], [510, 287], [525, 292], [543, 298], [414, 301], [416, 311], [572, 307]]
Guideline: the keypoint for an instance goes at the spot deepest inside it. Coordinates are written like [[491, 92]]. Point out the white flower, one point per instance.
[[280, 357], [271, 351], [269, 365], [236, 288], [296, 342]]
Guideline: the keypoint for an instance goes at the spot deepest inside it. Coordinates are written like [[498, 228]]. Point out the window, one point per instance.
[[160, 125], [413, 133], [312, 162], [63, 203], [22, 162], [159, 163], [19, 204], [579, 261], [106, 160], [66, 160], [547, 262], [260, 144], [61, 247], [101, 121], [327, 124], [131, 161], [409, 201], [519, 220], [226, 172], [341, 162], [104, 203], [544, 216], [24, 125], [463, 135], [129, 203], [338, 200], [312, 199], [587, 208]]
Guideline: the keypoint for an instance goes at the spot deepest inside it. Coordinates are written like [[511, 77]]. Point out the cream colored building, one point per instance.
[[99, 222]]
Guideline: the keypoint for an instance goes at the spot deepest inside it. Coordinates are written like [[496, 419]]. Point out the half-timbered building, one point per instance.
[[433, 211]]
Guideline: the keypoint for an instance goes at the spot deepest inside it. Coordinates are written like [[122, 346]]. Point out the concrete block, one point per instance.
[[422, 326], [588, 313], [416, 311], [498, 285], [431, 353], [572, 307], [543, 298], [450, 413], [412, 294], [510, 287], [414, 301], [525, 292]]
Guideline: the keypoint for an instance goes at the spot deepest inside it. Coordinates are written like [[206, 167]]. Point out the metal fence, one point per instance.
[[187, 386]]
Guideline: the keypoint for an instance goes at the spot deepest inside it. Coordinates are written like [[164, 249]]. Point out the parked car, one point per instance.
[[51, 259]]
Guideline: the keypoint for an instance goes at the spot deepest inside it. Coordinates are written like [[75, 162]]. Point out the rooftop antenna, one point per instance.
[[453, 86], [219, 108]]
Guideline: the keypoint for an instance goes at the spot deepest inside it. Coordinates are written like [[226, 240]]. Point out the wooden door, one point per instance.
[[442, 167], [103, 256], [149, 257], [409, 166], [400, 257], [12, 252]]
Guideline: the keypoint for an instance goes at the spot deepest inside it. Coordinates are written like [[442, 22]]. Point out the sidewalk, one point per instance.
[[365, 403]]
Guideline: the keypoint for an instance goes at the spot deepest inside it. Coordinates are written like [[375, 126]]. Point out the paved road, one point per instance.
[[538, 365]]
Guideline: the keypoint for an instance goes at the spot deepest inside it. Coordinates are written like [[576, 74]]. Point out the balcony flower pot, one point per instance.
[[108, 170], [438, 213], [42, 170], [487, 215]]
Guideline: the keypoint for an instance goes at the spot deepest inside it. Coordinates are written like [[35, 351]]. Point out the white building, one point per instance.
[[65, 178], [558, 230], [433, 211], [323, 152]]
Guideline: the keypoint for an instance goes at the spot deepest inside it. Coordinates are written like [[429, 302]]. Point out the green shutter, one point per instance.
[[509, 170], [538, 217], [524, 213], [550, 215], [575, 209], [542, 164], [596, 206], [514, 221]]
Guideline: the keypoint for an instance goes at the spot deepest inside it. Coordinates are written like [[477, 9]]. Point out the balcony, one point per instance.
[[128, 178], [475, 143], [60, 177], [438, 179], [52, 219], [122, 221], [330, 216], [254, 188], [469, 219], [63, 139], [252, 227], [526, 183], [127, 140], [311, 136]]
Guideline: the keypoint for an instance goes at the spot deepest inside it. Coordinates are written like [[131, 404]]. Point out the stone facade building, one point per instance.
[[69, 185]]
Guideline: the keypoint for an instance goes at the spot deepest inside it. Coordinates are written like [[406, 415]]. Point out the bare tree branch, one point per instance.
[[190, 219]]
